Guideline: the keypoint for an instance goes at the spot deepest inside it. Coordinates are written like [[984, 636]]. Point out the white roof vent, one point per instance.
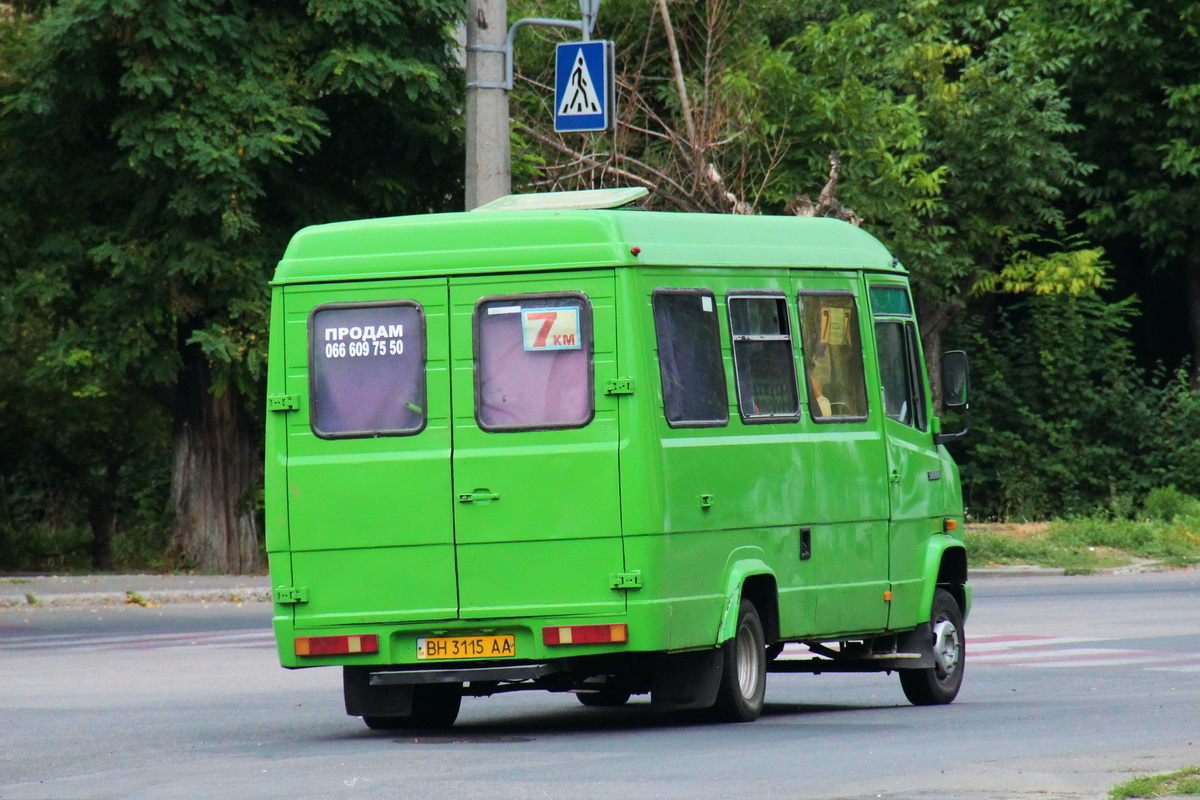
[[555, 201]]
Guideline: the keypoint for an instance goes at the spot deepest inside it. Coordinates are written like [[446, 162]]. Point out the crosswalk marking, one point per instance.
[[1050, 652]]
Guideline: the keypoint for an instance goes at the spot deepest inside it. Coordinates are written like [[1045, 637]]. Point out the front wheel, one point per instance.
[[744, 672], [939, 684]]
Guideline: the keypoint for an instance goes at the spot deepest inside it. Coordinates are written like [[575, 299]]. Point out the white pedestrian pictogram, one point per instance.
[[580, 96]]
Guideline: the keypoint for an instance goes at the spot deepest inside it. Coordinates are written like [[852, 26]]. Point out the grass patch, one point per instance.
[[1083, 545], [1185, 783]]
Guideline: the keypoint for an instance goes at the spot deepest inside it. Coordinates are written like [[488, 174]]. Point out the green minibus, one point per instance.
[[565, 444]]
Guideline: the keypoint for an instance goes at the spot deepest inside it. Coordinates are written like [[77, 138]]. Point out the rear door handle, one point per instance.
[[478, 496]]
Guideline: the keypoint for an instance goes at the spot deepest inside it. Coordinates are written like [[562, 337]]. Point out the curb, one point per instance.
[[132, 598]]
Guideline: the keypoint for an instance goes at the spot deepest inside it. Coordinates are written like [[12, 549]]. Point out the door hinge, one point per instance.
[[625, 580], [619, 386], [283, 402], [290, 595]]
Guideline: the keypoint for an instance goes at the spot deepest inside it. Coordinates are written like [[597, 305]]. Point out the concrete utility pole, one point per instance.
[[487, 102]]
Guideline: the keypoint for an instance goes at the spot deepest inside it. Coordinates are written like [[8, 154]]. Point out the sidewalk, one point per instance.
[[24, 591]]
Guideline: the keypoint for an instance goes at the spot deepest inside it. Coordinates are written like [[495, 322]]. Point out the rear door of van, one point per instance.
[[368, 472], [535, 469]]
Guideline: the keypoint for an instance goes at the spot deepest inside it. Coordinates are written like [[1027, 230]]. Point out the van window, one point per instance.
[[890, 300], [689, 358], [903, 392], [367, 369], [533, 362], [763, 359], [833, 357]]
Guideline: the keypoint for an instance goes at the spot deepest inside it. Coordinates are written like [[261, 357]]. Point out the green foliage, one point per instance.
[[155, 157], [1064, 423], [1167, 503]]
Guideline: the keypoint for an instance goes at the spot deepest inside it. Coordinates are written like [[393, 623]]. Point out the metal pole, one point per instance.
[[487, 103]]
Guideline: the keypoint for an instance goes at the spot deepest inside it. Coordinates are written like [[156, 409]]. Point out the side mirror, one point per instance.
[[956, 378], [956, 381]]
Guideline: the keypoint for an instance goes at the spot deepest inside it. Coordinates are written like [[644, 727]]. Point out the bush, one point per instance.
[[1166, 503], [1064, 422]]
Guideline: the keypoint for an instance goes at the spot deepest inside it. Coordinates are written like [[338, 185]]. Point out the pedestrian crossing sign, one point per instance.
[[583, 86]]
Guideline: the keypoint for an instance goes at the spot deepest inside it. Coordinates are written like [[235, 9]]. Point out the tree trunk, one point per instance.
[[102, 518], [934, 319], [216, 470], [1191, 271]]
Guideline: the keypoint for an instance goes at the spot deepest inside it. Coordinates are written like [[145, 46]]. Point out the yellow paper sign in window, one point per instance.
[[551, 329], [835, 326]]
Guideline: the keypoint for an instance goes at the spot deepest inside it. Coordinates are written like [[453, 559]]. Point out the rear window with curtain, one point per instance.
[[533, 362], [689, 358], [367, 369]]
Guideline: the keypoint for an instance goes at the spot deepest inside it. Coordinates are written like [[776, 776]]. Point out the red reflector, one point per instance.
[[585, 634], [337, 645]]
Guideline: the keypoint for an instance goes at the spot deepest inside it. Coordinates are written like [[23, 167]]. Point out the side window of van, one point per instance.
[[763, 358], [903, 396], [899, 359], [833, 357], [689, 358], [367, 369], [533, 362]]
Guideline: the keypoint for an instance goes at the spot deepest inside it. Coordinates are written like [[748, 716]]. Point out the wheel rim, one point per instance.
[[947, 647], [748, 654]]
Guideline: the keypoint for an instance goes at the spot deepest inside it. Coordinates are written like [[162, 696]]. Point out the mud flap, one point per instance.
[[365, 700], [685, 680], [920, 642]]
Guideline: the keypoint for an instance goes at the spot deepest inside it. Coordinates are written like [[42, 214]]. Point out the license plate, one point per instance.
[[466, 647]]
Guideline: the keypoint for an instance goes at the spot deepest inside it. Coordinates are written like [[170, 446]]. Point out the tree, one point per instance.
[[1136, 104], [944, 120], [155, 156]]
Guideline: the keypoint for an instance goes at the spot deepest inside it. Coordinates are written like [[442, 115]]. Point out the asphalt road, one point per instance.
[[1071, 684]]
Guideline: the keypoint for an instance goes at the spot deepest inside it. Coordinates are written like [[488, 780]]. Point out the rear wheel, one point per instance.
[[608, 697], [434, 706], [939, 684], [744, 675]]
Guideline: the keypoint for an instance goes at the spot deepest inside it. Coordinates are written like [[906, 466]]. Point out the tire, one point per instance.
[[744, 672], [435, 707], [608, 697], [939, 684]]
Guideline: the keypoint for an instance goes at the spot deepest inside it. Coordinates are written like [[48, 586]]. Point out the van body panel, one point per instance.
[[532, 483]]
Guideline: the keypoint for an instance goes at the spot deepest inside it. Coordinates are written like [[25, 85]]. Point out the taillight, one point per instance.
[[585, 634], [337, 645]]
